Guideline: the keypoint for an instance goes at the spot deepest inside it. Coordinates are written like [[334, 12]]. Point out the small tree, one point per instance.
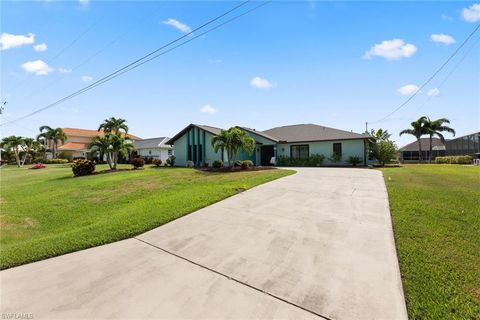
[[16, 144], [383, 151], [233, 140]]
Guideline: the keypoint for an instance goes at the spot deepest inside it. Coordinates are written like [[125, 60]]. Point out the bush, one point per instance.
[[56, 161], [238, 163], [335, 157], [82, 167], [148, 160], [137, 162], [190, 164], [171, 161], [157, 162], [354, 160], [66, 155], [217, 164], [38, 166], [454, 160], [246, 164], [315, 160]]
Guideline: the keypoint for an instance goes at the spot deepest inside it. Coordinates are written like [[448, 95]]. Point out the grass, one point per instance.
[[47, 212], [436, 219]]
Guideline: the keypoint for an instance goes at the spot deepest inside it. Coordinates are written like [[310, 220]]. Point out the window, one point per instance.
[[189, 153], [337, 148], [195, 153], [169, 152], [200, 154], [299, 151]]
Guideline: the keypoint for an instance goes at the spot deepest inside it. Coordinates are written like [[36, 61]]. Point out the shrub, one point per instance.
[[56, 161], [454, 160], [38, 166], [354, 160], [137, 162], [148, 160], [171, 161], [315, 160], [238, 163], [66, 155], [246, 164], [157, 162], [82, 167], [335, 157], [190, 164], [217, 164]]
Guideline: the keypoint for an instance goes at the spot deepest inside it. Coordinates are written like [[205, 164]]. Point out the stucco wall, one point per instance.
[[158, 153], [349, 148], [180, 151]]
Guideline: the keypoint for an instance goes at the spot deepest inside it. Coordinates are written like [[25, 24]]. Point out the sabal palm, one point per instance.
[[54, 135], [15, 143], [114, 125], [418, 130], [232, 140], [435, 128], [30, 146]]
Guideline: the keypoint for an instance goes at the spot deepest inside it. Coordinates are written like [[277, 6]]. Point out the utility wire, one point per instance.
[[431, 77], [132, 64]]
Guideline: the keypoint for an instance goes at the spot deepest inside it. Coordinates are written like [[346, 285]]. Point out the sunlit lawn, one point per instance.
[[436, 217], [47, 212]]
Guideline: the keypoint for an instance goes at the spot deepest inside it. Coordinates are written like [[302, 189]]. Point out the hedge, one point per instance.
[[454, 160]]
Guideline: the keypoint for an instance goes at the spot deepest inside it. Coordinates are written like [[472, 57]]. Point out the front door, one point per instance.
[[266, 154]]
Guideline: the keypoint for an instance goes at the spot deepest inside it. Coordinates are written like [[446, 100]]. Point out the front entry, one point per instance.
[[266, 154]]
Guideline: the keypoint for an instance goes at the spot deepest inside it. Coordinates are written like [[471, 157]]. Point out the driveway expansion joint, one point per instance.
[[234, 279]]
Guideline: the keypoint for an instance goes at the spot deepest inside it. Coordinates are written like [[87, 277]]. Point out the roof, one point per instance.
[[91, 133], [152, 143], [311, 132], [260, 133], [74, 146], [213, 130], [437, 144]]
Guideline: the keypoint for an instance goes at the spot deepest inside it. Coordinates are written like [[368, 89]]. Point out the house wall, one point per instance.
[[157, 153], [196, 136], [349, 148]]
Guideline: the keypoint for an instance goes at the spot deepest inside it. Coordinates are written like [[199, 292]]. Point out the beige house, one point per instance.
[[78, 141]]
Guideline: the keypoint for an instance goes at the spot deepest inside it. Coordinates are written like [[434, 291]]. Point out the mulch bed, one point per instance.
[[234, 169]]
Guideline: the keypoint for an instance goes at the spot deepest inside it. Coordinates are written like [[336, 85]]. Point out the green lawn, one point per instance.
[[436, 218], [47, 212]]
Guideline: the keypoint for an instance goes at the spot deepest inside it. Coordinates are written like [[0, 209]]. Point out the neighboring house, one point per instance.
[[78, 141], [154, 147], [194, 143], [465, 145], [410, 151]]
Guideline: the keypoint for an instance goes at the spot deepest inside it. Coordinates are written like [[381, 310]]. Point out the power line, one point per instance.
[[150, 55], [431, 77]]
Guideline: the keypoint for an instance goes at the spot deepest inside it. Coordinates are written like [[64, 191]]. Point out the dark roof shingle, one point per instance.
[[311, 132], [437, 144], [151, 143]]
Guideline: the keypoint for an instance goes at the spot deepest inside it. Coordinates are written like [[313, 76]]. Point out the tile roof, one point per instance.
[[152, 143], [437, 144], [74, 146], [311, 132], [90, 133]]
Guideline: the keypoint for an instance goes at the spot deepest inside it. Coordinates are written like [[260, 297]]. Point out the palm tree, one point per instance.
[[114, 125], [54, 135], [112, 145], [30, 147], [418, 130], [435, 128], [233, 140], [16, 144]]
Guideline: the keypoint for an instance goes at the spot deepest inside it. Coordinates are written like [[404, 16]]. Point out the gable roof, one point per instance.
[[260, 133], [311, 132], [74, 146], [90, 133], [213, 130], [437, 144], [152, 143]]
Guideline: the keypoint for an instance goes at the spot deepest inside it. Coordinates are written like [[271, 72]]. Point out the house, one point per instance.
[[410, 151], [464, 145], [153, 147], [78, 141], [194, 143]]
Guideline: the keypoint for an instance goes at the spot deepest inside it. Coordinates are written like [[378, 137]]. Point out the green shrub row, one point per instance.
[[56, 161], [454, 160], [315, 160]]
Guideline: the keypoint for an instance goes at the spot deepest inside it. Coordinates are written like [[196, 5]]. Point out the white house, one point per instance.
[[153, 147]]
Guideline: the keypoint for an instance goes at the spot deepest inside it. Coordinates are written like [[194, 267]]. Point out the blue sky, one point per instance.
[[337, 64]]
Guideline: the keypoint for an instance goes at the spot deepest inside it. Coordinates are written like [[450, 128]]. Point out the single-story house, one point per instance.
[[409, 152], [153, 147], [194, 143]]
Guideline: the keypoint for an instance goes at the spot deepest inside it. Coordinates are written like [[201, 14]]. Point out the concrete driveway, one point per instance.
[[318, 244]]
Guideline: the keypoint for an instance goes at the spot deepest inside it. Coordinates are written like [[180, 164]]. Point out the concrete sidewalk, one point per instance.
[[315, 244]]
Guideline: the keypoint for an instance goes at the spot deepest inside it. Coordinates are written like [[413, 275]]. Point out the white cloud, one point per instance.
[[472, 13], [442, 38], [40, 47], [64, 70], [84, 3], [208, 109], [87, 78], [177, 24], [9, 41], [433, 92], [38, 67], [260, 83], [391, 50], [407, 90]]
